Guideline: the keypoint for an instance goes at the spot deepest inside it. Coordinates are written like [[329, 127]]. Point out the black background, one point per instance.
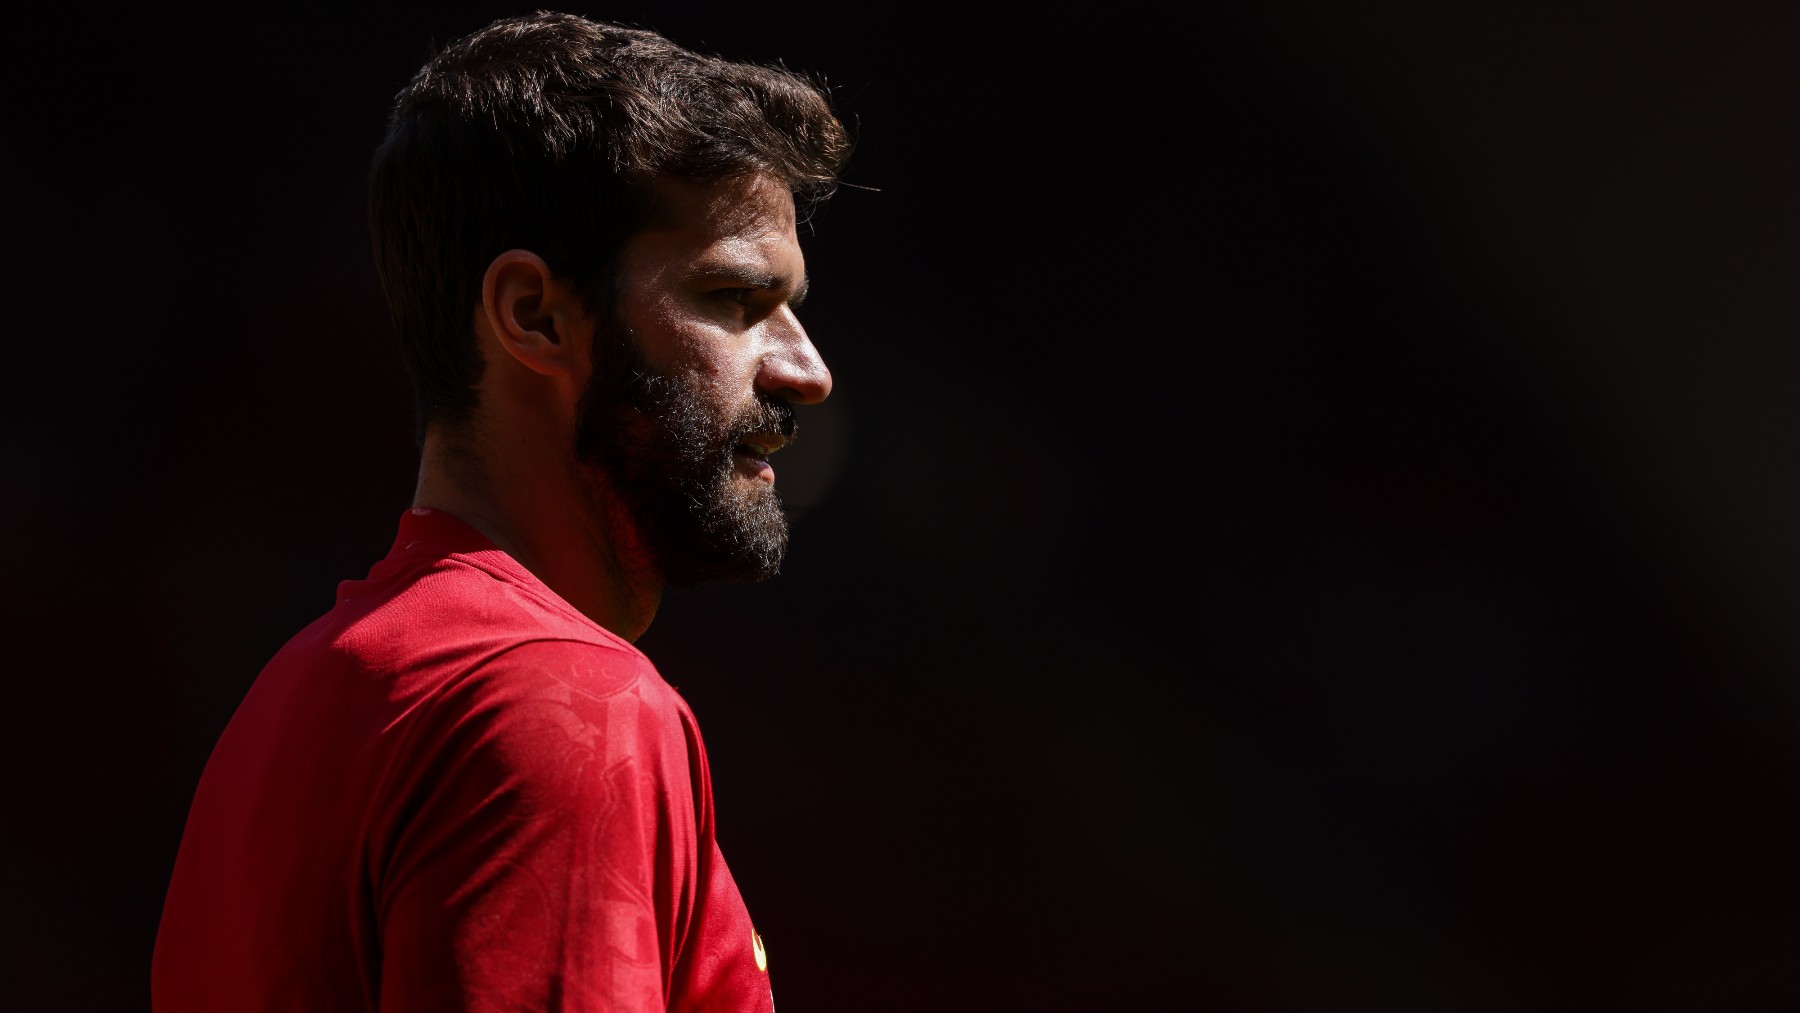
[[1305, 522]]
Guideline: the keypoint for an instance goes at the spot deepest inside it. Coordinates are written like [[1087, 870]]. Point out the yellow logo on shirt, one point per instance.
[[762, 955]]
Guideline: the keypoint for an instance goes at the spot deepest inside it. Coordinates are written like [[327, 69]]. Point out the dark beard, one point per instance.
[[666, 451]]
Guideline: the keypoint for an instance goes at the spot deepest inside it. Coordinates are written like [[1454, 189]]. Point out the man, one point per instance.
[[463, 788]]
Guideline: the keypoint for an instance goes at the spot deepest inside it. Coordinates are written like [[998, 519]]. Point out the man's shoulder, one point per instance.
[[457, 610], [573, 669], [475, 591], [416, 628]]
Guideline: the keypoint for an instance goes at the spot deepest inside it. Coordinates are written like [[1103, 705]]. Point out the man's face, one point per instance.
[[695, 371]]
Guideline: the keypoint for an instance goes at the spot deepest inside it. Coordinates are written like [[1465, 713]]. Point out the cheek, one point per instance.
[[665, 332], [675, 339], [719, 364], [682, 344], [718, 390]]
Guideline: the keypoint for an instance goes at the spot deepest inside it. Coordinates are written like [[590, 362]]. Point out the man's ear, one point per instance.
[[530, 313]]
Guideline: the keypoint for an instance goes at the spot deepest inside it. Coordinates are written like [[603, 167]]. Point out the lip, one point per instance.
[[761, 444], [752, 454]]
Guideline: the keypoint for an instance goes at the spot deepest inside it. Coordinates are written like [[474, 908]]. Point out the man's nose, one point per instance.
[[791, 368]]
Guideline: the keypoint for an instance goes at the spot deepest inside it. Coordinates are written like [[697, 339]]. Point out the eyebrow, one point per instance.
[[751, 278]]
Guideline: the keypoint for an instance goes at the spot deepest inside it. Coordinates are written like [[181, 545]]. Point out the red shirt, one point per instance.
[[455, 792]]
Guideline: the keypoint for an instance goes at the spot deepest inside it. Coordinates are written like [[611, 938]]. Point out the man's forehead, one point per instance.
[[734, 225]]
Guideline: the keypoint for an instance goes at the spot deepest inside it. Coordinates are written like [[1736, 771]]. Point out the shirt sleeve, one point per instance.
[[541, 851]]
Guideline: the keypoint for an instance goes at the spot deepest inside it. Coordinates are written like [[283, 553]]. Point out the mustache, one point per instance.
[[769, 414]]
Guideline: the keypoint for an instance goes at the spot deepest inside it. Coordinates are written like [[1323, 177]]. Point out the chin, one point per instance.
[[741, 535]]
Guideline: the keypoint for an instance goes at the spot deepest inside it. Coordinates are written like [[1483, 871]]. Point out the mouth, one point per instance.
[[761, 448], [753, 453]]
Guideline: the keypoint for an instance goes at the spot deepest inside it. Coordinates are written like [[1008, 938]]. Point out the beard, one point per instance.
[[665, 445]]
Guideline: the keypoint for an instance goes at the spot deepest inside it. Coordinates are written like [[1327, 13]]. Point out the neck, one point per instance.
[[557, 519]]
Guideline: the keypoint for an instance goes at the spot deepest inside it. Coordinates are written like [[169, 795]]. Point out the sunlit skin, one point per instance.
[[708, 289]]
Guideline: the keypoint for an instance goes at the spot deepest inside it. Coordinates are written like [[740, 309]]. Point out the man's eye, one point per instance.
[[741, 296]]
